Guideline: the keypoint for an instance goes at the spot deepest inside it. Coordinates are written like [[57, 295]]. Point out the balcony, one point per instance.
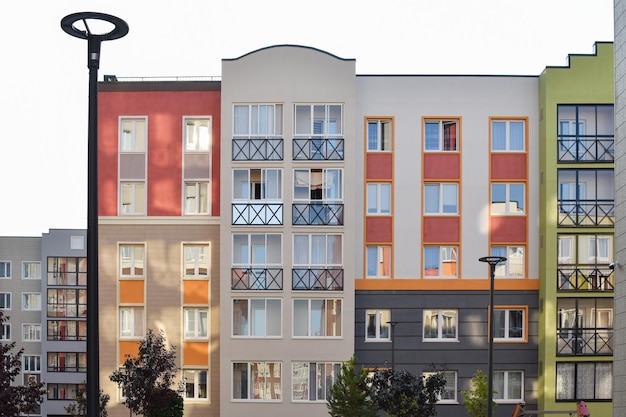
[[256, 279], [318, 149], [585, 342], [586, 213], [257, 214], [590, 278], [317, 279], [269, 148], [586, 149], [317, 214]]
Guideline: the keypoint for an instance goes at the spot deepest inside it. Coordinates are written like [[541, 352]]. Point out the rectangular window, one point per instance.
[[585, 249], [250, 120], [31, 270], [378, 261], [508, 386], [67, 302], [197, 134], [67, 272], [379, 135], [586, 381], [5, 300], [257, 250], [5, 329], [196, 197], [196, 261], [311, 381], [318, 184], [131, 322], [441, 135], [67, 330], [196, 323], [31, 365], [441, 198], [317, 318], [5, 269], [584, 326], [31, 301], [318, 120], [67, 362], [132, 198], [317, 250], [586, 133], [378, 198], [509, 324], [132, 260], [257, 184], [196, 384], [514, 266], [31, 332], [508, 135], [440, 325], [440, 261], [133, 135], [63, 391], [448, 394], [377, 324], [257, 317], [257, 381], [197, 166], [508, 199], [132, 166]]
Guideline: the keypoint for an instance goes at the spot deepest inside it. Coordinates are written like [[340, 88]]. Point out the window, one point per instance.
[[67, 330], [317, 250], [257, 119], [197, 166], [132, 198], [257, 184], [378, 261], [585, 249], [317, 318], [63, 391], [5, 330], [132, 260], [257, 249], [585, 133], [509, 324], [131, 322], [260, 381], [196, 198], [440, 261], [32, 368], [31, 270], [5, 300], [586, 197], [508, 135], [507, 198], [448, 394], [31, 332], [67, 271], [197, 134], [133, 135], [441, 198], [586, 381], [318, 184], [196, 261], [196, 323], [318, 119], [257, 317], [514, 266], [441, 135], [5, 269], [31, 301], [508, 386], [77, 242], [440, 325], [67, 362], [196, 386], [311, 381], [378, 198], [584, 326], [67, 302], [132, 166], [379, 135], [377, 324]]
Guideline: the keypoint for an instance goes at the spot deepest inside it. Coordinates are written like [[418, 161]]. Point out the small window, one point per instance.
[[257, 317], [507, 199], [441, 135], [448, 394], [5, 300], [133, 135], [31, 270], [131, 322], [197, 135], [514, 266], [378, 261], [5, 269], [5, 331], [441, 198], [132, 260], [196, 384], [378, 198], [509, 325], [257, 381], [377, 325], [196, 198], [313, 381], [440, 261], [440, 325], [196, 261], [317, 318], [196, 323], [508, 386], [379, 135], [132, 198], [508, 135], [77, 242], [31, 301], [31, 332]]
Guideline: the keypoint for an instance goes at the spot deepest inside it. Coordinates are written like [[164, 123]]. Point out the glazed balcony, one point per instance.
[[586, 149], [317, 214], [585, 342], [268, 148], [317, 279], [318, 149], [586, 213], [257, 214], [585, 278], [256, 278]]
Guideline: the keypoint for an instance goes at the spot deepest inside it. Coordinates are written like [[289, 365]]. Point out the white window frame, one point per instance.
[[316, 121], [29, 298], [265, 179], [507, 324], [31, 366], [127, 322], [197, 124], [200, 202], [442, 314], [504, 391], [507, 135], [379, 252], [6, 301], [255, 124], [132, 260], [327, 175], [381, 321], [31, 270], [5, 332], [508, 203], [301, 375], [441, 187], [440, 141], [135, 146], [511, 252], [247, 327], [135, 205], [196, 374], [198, 255], [445, 254], [31, 332], [375, 200], [383, 141], [5, 269], [448, 394], [250, 383], [309, 250], [250, 261], [309, 333], [192, 319]]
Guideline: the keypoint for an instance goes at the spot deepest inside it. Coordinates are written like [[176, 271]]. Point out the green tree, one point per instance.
[[148, 376], [79, 407], [402, 394], [16, 399], [347, 397], [476, 400]]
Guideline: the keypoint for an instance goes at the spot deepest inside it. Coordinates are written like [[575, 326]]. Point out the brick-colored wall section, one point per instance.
[[509, 166]]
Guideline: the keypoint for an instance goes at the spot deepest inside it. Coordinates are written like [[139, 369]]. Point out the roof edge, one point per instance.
[[289, 45]]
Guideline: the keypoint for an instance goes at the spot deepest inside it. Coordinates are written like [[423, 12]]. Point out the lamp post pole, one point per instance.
[[392, 326], [94, 40], [492, 261]]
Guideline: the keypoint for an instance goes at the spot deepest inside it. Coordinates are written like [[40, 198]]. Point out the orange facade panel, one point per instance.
[[508, 229], [196, 292], [379, 166], [378, 229], [132, 291], [196, 353], [509, 166], [128, 348], [442, 230], [442, 166]]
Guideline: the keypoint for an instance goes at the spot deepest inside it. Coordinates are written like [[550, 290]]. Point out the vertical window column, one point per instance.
[[132, 166]]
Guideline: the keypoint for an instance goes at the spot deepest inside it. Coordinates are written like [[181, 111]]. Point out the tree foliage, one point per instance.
[[402, 394], [476, 400], [16, 399], [148, 376], [79, 407], [347, 397]]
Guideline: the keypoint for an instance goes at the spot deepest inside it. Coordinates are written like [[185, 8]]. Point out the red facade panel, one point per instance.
[[378, 229], [442, 166], [509, 166], [508, 229], [379, 166], [442, 230]]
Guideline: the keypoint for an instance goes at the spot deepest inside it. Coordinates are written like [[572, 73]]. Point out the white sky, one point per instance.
[[44, 75]]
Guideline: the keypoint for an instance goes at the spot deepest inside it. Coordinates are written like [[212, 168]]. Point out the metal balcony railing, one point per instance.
[[586, 149], [318, 149], [258, 149], [585, 342], [589, 278], [317, 214], [317, 279], [257, 213], [256, 278], [586, 213]]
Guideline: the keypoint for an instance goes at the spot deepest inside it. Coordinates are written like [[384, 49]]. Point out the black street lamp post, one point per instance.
[[392, 326], [94, 40], [492, 261]]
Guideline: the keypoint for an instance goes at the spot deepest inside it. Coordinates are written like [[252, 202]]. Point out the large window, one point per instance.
[[31, 270], [5, 300], [257, 317], [31, 301], [508, 386], [67, 330], [67, 302], [448, 394], [378, 198], [67, 362], [5, 269], [586, 381], [514, 266], [133, 135], [131, 322], [441, 198], [257, 250], [317, 250], [377, 325], [318, 119], [584, 326], [311, 381], [63, 391], [440, 325], [509, 324], [132, 260], [196, 261], [586, 197], [196, 323], [585, 133], [318, 184], [441, 135], [379, 135], [67, 271], [508, 198], [251, 120], [197, 134], [197, 166], [440, 261], [196, 384], [260, 381], [508, 135], [257, 196], [132, 166], [378, 261], [583, 262], [31, 332], [317, 318]]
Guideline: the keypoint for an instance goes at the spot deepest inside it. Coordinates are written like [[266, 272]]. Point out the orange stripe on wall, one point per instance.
[[379, 166], [508, 229], [128, 348], [441, 229], [510, 166], [132, 291], [196, 353], [378, 229], [196, 292], [442, 166]]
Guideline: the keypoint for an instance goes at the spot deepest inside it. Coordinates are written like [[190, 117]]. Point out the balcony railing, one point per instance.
[[586, 149], [582, 342], [317, 214], [317, 279], [587, 213], [257, 213], [576, 278], [256, 279], [258, 149], [318, 149]]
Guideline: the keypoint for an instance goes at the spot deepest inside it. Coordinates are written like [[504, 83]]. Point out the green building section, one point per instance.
[[586, 80]]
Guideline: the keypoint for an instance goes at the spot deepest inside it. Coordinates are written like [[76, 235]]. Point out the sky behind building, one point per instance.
[[44, 75]]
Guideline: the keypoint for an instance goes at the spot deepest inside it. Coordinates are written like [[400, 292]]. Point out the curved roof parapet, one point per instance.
[[289, 46]]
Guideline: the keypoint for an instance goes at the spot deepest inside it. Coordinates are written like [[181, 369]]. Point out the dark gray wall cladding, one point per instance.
[[464, 356]]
